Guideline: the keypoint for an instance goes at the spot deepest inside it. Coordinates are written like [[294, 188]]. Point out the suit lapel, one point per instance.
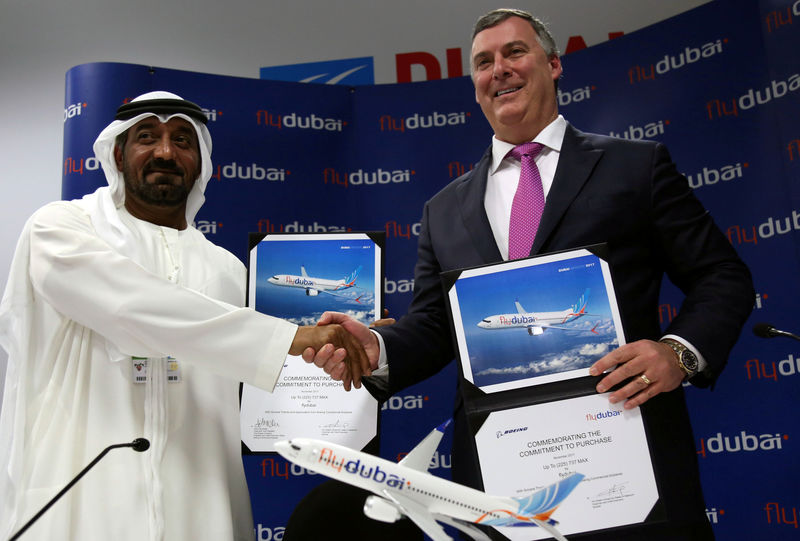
[[470, 195], [575, 165]]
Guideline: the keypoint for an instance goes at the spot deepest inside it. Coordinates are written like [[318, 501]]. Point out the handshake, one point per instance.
[[343, 347]]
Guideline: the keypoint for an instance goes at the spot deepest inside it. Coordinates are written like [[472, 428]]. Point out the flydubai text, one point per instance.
[[355, 467], [251, 171], [295, 120], [359, 177], [689, 55], [649, 130], [717, 108], [709, 176], [741, 442], [422, 121], [73, 110]]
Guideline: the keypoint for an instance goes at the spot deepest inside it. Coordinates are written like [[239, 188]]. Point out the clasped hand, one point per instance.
[[333, 359]]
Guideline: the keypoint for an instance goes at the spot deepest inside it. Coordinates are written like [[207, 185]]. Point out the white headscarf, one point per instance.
[[102, 204]]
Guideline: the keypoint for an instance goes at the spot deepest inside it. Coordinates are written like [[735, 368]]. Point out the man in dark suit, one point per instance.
[[627, 194]]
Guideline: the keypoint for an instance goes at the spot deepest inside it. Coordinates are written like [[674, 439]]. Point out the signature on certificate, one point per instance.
[[617, 490], [337, 424], [263, 422]]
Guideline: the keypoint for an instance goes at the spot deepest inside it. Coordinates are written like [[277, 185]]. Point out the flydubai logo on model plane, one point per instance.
[[407, 489], [537, 322], [314, 286]]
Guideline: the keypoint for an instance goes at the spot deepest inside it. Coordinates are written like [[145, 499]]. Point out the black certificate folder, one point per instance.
[[526, 332]]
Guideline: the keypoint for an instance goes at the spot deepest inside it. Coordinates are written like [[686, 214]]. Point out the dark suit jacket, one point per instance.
[[629, 195]]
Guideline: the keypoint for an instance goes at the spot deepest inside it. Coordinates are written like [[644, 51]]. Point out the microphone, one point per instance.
[[139, 445], [765, 330]]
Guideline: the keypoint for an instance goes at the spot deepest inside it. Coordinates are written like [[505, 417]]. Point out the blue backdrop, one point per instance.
[[719, 85]]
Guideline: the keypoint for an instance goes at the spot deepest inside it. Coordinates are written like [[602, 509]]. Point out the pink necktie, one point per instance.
[[526, 210]]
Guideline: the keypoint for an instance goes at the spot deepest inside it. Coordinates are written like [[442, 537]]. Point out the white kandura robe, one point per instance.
[[70, 380]]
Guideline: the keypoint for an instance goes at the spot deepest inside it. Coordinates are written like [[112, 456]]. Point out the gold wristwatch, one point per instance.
[[687, 360]]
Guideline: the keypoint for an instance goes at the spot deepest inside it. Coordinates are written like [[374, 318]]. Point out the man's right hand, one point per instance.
[[344, 353], [329, 358]]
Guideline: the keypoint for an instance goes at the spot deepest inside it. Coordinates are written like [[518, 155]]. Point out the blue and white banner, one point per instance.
[[719, 85]]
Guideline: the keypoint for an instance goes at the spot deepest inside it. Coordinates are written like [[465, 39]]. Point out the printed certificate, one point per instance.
[[524, 449], [298, 277]]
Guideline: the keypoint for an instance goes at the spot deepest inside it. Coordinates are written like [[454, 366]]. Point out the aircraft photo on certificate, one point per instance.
[[298, 277], [534, 321]]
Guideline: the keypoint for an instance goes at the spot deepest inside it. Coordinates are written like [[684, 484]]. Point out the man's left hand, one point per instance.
[[651, 365]]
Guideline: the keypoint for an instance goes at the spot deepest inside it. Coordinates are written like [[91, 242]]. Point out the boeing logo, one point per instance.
[[501, 433]]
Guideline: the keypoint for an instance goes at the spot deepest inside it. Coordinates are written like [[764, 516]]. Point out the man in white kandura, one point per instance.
[[121, 320]]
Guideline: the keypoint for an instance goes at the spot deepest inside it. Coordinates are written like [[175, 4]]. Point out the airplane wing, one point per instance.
[[420, 456], [419, 515]]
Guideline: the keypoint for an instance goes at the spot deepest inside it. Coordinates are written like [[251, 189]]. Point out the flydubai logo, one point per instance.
[[360, 177], [271, 119], [78, 165], [742, 441], [251, 171], [767, 229], [456, 169], [713, 515], [267, 226], [777, 514], [670, 62], [709, 176], [407, 402], [793, 147], [422, 121], [574, 96], [757, 369], [355, 467], [271, 467], [207, 227], [399, 286], [211, 114], [600, 415], [781, 17], [718, 108], [649, 130], [406, 231], [74, 110]]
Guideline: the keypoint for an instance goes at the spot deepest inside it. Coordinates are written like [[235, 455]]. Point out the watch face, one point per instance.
[[689, 360]]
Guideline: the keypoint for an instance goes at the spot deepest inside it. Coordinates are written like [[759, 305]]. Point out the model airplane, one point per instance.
[[537, 322], [407, 489], [314, 286]]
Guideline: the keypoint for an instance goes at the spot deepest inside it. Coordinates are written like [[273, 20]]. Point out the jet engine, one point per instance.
[[377, 508], [312, 292]]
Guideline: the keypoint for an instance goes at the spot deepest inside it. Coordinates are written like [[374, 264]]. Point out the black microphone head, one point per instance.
[[140, 445], [764, 330]]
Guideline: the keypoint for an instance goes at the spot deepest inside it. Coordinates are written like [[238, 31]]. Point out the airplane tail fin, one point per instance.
[[580, 306], [350, 280], [520, 309], [543, 502], [303, 271]]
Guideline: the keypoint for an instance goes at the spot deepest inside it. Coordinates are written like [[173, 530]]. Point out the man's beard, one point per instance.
[[163, 192]]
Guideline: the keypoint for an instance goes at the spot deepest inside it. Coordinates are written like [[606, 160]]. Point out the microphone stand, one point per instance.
[[139, 444]]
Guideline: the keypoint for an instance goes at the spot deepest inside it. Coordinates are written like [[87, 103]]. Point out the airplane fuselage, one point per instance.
[[306, 282], [375, 474], [530, 319]]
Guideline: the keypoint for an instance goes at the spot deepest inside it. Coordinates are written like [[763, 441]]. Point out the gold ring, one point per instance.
[[645, 379]]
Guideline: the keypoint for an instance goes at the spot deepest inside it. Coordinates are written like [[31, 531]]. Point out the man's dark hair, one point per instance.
[[497, 16]]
